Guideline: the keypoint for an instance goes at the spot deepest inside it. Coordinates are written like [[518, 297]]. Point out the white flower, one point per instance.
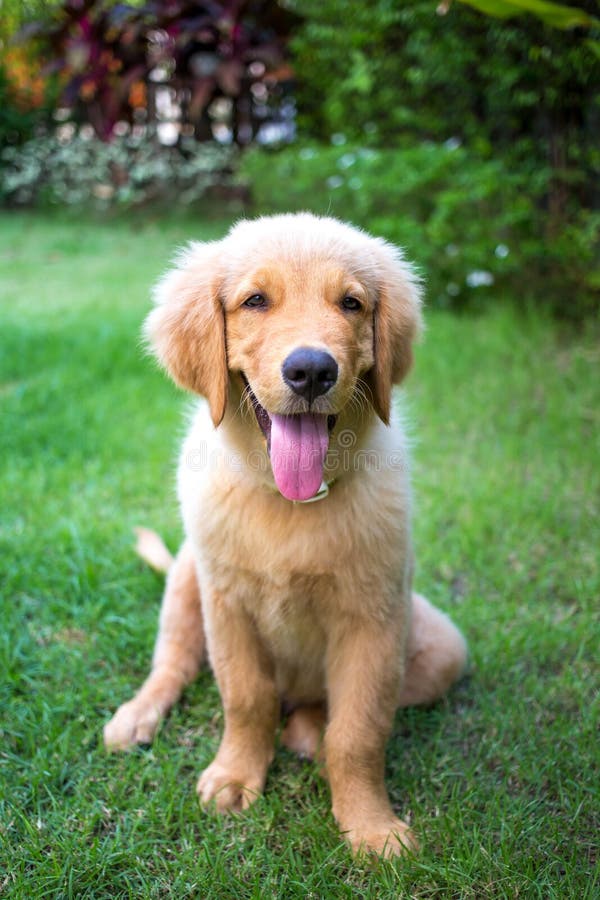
[[452, 143], [347, 160], [501, 251], [334, 181], [480, 278]]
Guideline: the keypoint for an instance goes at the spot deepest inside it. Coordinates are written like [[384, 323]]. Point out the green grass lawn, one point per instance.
[[500, 780]]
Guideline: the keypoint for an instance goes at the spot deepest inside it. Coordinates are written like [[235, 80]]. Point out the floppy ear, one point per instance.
[[186, 329], [396, 322]]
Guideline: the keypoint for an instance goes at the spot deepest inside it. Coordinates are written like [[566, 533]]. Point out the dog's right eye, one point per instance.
[[351, 304], [256, 301]]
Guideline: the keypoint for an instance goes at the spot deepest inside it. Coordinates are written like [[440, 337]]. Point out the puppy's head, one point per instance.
[[306, 313]]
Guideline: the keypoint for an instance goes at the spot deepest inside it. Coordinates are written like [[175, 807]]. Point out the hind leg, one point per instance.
[[177, 658], [303, 732], [436, 658], [436, 655]]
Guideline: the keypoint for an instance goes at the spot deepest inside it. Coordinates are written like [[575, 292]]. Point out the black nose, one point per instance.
[[310, 373]]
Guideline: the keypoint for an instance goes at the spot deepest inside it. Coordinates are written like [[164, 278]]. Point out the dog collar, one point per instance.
[[320, 495]]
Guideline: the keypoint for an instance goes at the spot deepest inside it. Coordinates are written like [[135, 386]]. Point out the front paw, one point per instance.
[[387, 838], [232, 789], [135, 722]]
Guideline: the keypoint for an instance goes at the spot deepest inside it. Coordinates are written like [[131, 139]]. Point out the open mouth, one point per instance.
[[297, 447]]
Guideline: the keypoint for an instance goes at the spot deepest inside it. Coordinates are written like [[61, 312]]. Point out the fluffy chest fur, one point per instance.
[[296, 568], [241, 524]]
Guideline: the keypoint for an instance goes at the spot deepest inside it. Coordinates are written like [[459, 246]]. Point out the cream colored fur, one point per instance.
[[305, 604]]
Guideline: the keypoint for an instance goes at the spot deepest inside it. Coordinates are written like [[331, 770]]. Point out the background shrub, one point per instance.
[[473, 227], [27, 98], [73, 168], [521, 100], [469, 140], [389, 73]]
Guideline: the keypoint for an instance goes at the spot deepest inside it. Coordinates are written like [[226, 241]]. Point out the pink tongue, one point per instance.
[[298, 450]]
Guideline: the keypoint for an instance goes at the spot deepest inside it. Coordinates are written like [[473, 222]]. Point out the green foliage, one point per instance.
[[472, 226], [28, 94], [27, 98], [555, 14], [500, 780], [76, 169], [519, 97], [16, 124], [387, 72]]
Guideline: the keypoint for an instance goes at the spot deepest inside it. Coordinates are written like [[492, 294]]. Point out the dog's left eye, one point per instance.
[[256, 301], [351, 304]]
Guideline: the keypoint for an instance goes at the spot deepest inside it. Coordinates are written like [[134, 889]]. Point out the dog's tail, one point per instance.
[[152, 549]]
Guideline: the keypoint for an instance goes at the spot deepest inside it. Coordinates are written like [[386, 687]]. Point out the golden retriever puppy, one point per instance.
[[293, 483]]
